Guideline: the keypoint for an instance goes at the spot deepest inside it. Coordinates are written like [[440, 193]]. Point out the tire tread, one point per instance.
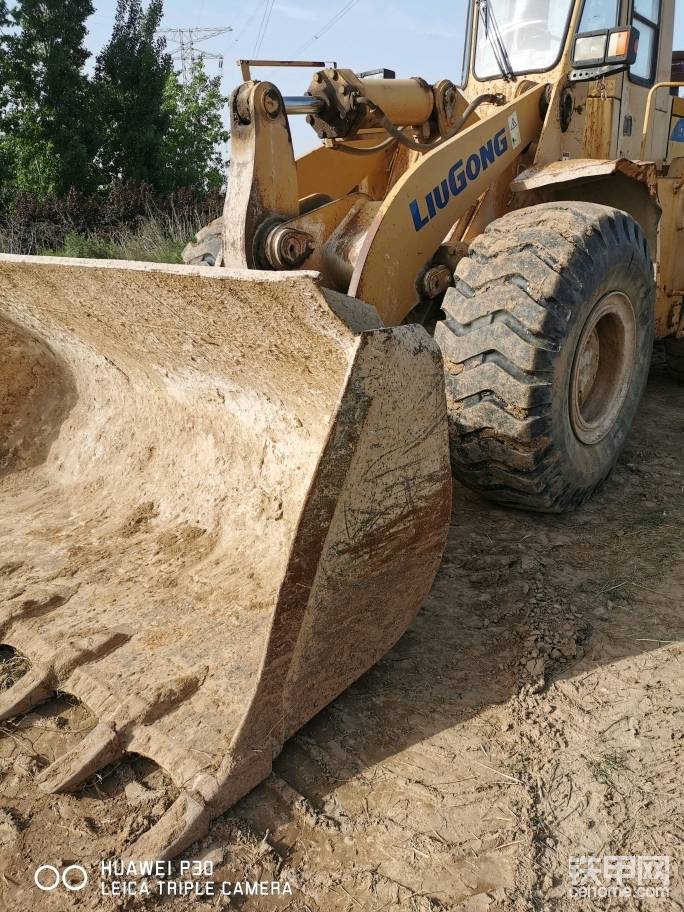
[[506, 319]]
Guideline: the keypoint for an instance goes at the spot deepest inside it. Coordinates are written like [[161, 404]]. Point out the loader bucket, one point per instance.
[[223, 496]]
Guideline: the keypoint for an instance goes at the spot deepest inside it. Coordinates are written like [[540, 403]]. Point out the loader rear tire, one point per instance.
[[674, 355], [547, 343]]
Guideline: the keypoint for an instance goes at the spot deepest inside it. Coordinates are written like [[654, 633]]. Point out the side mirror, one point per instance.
[[604, 53]]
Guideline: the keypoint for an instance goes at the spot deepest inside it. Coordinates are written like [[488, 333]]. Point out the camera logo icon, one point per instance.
[[48, 878]]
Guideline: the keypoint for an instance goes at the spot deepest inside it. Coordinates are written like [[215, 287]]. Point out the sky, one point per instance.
[[414, 37], [374, 33]]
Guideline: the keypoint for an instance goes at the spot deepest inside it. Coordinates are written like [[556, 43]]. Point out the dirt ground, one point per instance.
[[534, 712]]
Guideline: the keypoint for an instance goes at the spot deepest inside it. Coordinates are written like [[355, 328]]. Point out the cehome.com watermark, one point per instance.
[[116, 877], [619, 876]]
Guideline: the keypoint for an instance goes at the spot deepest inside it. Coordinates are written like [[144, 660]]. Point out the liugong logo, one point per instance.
[[458, 178]]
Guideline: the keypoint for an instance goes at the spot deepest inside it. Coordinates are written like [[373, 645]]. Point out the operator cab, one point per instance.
[[601, 59]]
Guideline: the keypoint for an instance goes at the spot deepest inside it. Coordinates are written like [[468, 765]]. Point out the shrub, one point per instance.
[[128, 220]]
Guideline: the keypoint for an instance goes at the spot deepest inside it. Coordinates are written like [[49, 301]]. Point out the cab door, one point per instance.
[[655, 21]]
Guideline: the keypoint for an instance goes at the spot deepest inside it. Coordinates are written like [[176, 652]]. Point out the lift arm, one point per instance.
[[282, 215], [422, 207]]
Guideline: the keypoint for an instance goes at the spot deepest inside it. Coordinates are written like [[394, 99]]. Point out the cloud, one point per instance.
[[298, 13]]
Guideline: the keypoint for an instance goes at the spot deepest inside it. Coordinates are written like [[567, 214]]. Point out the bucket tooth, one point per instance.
[[53, 667], [31, 689], [203, 798], [109, 739], [185, 821], [80, 650], [172, 692], [100, 747]]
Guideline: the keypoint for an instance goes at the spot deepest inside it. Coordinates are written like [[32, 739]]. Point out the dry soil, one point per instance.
[[534, 712]]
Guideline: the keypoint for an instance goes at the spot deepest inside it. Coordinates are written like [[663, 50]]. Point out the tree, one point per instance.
[[4, 156], [4, 22], [130, 77], [191, 152], [48, 120]]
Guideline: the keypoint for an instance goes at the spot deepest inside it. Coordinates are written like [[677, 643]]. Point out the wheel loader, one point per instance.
[[226, 486]]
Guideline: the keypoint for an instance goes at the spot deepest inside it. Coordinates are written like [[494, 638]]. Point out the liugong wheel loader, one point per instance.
[[539, 205], [226, 489]]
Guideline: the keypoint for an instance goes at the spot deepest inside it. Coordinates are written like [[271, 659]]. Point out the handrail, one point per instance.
[[649, 109]]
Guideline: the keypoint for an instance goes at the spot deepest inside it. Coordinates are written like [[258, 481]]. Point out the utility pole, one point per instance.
[[184, 43]]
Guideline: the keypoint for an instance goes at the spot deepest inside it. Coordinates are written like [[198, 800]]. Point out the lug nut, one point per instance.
[[435, 281]]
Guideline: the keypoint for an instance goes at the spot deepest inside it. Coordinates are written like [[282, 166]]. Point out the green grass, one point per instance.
[[157, 238], [605, 767], [148, 242]]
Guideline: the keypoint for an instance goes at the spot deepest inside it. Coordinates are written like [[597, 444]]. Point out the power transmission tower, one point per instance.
[[184, 43]]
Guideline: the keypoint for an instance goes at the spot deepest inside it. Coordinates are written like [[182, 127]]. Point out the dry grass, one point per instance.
[[158, 239], [128, 223], [13, 666]]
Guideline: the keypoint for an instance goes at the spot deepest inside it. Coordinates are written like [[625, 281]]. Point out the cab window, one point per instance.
[[598, 16], [646, 18], [532, 33]]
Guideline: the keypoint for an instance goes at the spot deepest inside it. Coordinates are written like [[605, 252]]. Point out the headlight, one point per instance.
[[590, 48]]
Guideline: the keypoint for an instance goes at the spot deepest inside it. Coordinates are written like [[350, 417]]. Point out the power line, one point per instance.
[[261, 34], [184, 43], [250, 20], [328, 25]]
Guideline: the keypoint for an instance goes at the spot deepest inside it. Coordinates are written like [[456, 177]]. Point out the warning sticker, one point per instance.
[[514, 130]]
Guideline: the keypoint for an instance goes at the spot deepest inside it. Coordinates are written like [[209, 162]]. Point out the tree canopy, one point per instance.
[[191, 151], [130, 78], [52, 134], [129, 120]]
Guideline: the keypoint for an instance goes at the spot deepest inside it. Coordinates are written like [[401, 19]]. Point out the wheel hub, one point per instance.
[[587, 366], [602, 369]]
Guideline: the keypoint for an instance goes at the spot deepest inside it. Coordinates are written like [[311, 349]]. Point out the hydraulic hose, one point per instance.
[[365, 150], [397, 135]]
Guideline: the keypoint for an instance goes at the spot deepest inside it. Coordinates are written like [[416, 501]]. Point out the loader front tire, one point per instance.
[[547, 343], [674, 355]]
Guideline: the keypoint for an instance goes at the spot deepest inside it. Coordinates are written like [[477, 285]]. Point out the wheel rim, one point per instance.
[[602, 368]]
